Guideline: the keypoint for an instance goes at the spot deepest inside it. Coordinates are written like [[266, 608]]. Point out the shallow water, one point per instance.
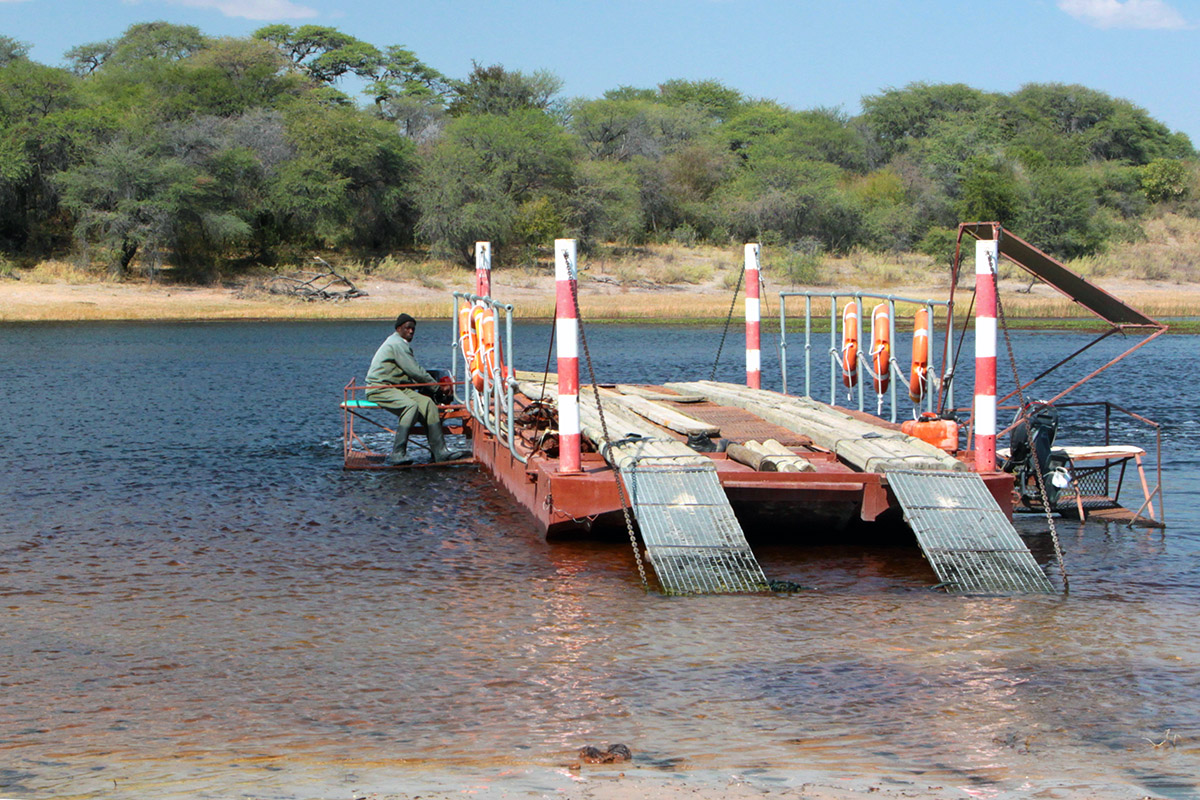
[[198, 601]]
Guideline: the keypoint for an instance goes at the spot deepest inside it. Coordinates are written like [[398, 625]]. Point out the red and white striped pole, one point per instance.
[[987, 255], [483, 269], [753, 311], [567, 342]]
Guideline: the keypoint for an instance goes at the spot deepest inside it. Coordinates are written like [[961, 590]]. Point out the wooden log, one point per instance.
[[860, 444], [656, 412], [650, 394], [662, 415], [763, 459], [615, 436]]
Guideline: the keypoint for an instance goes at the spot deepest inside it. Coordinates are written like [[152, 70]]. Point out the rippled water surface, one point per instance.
[[198, 601]]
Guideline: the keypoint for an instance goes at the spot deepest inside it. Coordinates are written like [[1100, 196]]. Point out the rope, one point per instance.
[[1041, 481], [728, 319], [637, 553]]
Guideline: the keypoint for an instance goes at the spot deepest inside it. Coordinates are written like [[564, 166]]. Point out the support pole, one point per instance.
[[753, 311], [567, 343], [483, 269], [987, 256]]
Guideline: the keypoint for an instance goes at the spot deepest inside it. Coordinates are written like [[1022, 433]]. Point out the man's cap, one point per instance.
[[403, 318]]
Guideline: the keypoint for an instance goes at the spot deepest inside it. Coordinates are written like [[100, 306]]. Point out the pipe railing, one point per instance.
[[863, 369], [492, 405]]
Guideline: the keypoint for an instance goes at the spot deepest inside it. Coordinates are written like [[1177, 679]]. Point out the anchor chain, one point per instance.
[[637, 553], [1041, 481]]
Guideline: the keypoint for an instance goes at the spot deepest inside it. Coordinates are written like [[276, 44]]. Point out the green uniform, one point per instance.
[[394, 363]]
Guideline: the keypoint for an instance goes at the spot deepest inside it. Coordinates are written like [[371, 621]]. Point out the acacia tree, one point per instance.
[[496, 90], [324, 54], [130, 198], [484, 177]]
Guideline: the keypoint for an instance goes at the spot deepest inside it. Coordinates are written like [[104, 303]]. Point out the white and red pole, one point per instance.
[[987, 256], [753, 311], [567, 342], [483, 269]]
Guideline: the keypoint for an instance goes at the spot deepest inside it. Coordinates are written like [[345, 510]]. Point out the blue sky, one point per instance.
[[803, 53]]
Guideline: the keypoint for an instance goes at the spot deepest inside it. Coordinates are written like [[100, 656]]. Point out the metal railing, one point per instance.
[[491, 405], [896, 373]]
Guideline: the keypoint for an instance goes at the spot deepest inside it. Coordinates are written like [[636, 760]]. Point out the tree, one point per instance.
[[11, 50], [495, 90], [898, 116], [228, 78], [1165, 179], [324, 54], [622, 130], [156, 41], [130, 198], [483, 170], [1058, 214], [42, 129], [716, 100], [990, 191], [604, 203], [401, 74], [349, 183]]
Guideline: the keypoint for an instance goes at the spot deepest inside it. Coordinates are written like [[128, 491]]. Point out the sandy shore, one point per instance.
[[29, 301]]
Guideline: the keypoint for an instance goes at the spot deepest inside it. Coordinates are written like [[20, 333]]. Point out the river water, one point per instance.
[[198, 602]]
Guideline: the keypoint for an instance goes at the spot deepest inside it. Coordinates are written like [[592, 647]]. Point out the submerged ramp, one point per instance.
[[693, 540], [971, 545]]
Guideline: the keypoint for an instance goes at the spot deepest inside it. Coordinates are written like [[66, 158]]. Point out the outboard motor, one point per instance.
[[443, 394], [1030, 446]]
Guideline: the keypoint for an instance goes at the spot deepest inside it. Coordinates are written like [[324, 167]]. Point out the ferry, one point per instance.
[[686, 469]]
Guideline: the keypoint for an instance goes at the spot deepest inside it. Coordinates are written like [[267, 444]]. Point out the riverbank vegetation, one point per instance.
[[170, 155]]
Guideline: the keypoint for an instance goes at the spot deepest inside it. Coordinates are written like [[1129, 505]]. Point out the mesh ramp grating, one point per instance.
[[692, 538], [962, 530]]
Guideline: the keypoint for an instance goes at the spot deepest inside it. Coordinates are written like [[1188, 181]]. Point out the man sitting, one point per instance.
[[394, 363]]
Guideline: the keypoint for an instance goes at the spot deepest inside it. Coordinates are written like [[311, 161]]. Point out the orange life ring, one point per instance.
[[485, 334], [469, 343], [850, 345], [920, 357], [881, 348]]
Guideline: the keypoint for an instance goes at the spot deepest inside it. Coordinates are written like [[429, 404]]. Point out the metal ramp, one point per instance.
[[971, 545], [693, 540]]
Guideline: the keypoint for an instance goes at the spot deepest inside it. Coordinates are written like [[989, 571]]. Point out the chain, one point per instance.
[[728, 319], [637, 552], [1041, 480]]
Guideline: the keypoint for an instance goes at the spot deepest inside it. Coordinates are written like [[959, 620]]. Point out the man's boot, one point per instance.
[[437, 445], [399, 455]]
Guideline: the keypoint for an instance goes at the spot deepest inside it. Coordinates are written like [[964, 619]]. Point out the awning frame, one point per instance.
[[1122, 317]]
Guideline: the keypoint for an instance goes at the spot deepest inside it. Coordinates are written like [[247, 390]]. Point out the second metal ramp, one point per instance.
[[693, 540], [962, 530]]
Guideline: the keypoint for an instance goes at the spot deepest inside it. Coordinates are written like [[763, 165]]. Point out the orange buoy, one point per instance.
[[881, 348], [476, 365], [485, 334], [919, 377], [850, 345], [469, 346]]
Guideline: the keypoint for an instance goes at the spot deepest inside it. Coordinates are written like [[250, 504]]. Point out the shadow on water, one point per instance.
[[198, 600]]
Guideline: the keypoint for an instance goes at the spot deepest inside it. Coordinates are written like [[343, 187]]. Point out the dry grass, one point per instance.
[[66, 272], [653, 282], [1170, 252]]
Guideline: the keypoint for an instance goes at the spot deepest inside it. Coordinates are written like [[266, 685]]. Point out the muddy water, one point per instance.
[[197, 601]]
